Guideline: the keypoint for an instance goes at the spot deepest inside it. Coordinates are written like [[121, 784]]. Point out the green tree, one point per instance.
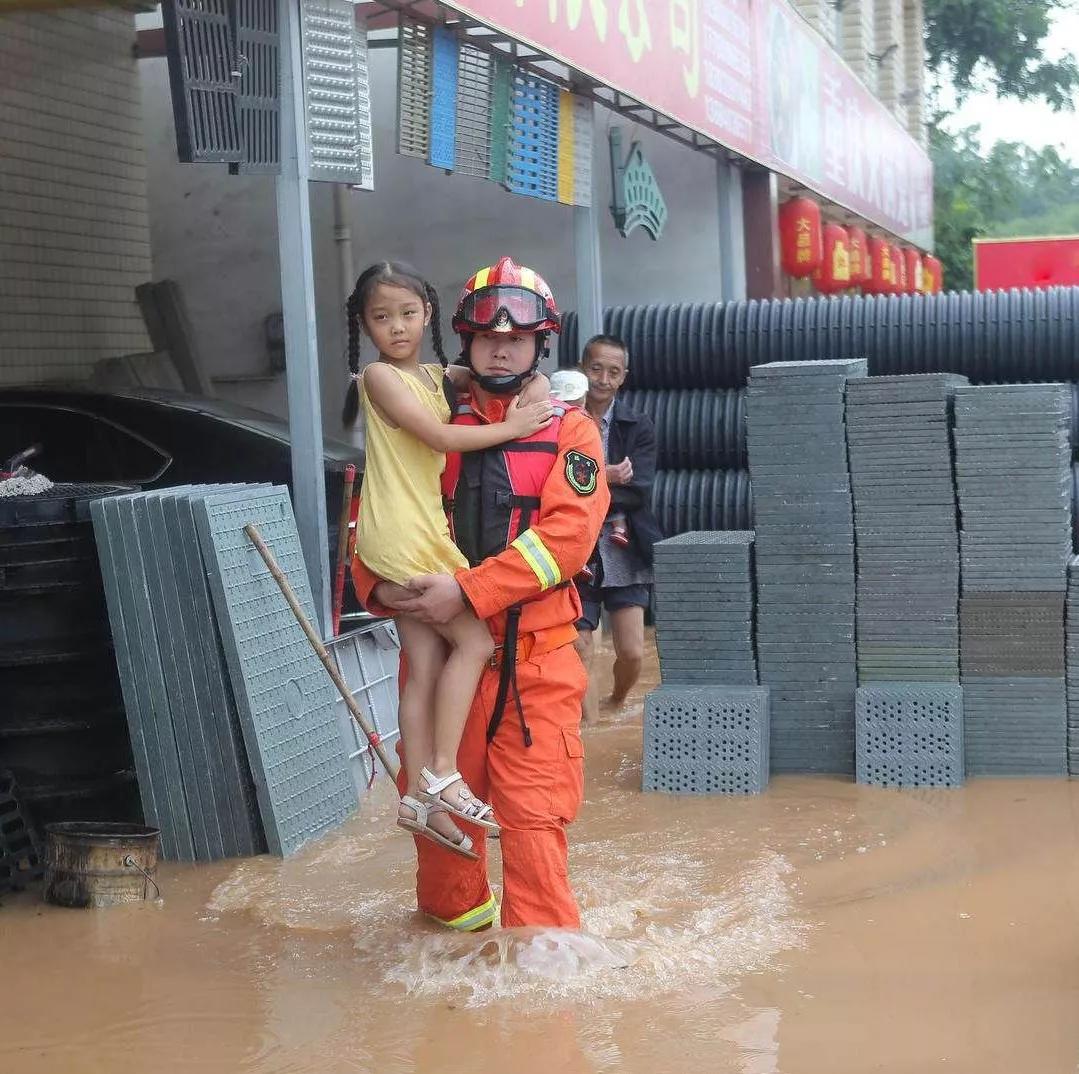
[[1011, 190], [999, 44]]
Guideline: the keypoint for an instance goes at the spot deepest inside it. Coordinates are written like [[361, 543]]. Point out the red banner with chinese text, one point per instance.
[[1000, 264], [749, 74]]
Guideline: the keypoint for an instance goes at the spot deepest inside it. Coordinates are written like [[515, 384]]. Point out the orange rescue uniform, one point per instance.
[[535, 790]]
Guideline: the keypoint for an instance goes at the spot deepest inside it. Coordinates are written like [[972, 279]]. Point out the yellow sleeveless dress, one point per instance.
[[402, 529]]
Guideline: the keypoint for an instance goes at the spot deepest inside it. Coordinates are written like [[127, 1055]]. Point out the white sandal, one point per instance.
[[418, 825], [467, 806]]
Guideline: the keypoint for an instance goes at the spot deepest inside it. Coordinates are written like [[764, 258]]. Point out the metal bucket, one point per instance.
[[91, 863]]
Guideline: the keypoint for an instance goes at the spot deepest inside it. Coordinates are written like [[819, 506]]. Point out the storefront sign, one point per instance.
[[749, 74], [1046, 262]]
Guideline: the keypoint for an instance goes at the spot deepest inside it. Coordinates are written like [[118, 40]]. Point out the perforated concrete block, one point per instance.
[[707, 739], [910, 735]]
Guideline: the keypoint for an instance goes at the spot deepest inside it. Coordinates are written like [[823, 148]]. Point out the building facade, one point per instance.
[[96, 203]]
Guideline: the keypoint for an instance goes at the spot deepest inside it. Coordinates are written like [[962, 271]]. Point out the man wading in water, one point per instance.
[[526, 515]]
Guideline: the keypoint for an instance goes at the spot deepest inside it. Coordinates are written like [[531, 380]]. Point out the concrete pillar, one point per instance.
[[589, 266], [760, 199], [301, 333], [914, 36], [857, 39], [890, 47], [732, 236]]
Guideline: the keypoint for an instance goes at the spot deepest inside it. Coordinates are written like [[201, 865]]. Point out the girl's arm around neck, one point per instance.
[[396, 403]]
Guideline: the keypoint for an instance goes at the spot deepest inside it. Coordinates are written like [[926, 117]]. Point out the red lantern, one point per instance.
[[880, 257], [902, 265], [800, 236], [915, 271], [934, 273], [860, 270], [833, 275], [897, 269]]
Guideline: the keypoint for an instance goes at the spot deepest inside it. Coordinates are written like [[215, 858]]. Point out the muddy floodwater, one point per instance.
[[821, 928]]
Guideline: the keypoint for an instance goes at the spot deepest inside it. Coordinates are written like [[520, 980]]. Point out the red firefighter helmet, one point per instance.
[[504, 298]]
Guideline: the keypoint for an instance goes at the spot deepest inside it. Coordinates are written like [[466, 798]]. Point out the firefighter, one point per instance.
[[526, 515]]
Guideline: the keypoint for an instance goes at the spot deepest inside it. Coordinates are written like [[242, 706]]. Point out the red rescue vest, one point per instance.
[[492, 496]]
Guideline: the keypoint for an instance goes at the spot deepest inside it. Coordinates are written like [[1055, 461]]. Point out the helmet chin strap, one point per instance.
[[506, 383]]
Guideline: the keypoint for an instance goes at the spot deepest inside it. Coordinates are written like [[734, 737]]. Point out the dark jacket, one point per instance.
[[632, 435]]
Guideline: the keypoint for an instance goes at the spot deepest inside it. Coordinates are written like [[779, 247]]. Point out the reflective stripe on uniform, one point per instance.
[[484, 914], [543, 564], [481, 278]]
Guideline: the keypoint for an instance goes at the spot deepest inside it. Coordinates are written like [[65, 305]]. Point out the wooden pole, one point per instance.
[[316, 643]]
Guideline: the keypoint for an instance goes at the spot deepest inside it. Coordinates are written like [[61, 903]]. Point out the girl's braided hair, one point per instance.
[[393, 274]]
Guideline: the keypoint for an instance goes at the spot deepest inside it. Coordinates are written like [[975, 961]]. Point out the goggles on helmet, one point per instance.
[[499, 307]]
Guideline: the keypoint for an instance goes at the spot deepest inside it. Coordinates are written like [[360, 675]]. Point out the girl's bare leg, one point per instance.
[[471, 648], [425, 653]]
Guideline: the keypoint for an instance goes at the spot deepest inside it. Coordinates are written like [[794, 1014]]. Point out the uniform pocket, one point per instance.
[[574, 746], [567, 789]]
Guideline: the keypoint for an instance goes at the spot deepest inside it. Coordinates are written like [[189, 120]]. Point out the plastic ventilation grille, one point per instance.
[[443, 113], [258, 47], [334, 77], [285, 698], [199, 45], [473, 132], [364, 125], [583, 127], [413, 88], [532, 167], [706, 740], [212, 700], [565, 147], [501, 118], [142, 677], [368, 662], [910, 735]]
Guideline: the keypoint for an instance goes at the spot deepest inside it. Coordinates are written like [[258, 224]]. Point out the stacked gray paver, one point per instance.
[[1071, 658], [905, 525], [1013, 478], [204, 733], [704, 608], [804, 557], [706, 727]]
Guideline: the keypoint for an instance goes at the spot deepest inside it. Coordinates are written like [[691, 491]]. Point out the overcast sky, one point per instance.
[[1035, 124]]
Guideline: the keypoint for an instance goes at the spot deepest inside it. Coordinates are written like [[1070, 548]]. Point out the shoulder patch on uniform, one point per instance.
[[581, 472]]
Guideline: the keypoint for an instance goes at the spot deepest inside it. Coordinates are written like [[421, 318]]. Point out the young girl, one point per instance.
[[402, 532]]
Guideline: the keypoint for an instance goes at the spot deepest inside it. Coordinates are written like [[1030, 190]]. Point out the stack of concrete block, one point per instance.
[[1071, 664], [1013, 472], [804, 554], [907, 536], [706, 727], [704, 608]]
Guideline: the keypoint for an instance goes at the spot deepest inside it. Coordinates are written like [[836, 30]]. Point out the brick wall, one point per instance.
[[74, 228]]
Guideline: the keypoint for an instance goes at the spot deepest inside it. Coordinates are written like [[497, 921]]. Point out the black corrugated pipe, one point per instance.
[[989, 336], [686, 500]]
